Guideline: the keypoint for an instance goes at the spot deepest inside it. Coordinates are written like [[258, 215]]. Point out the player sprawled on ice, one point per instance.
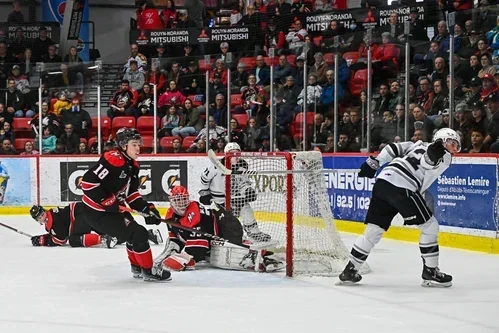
[[242, 193], [66, 225], [113, 182], [184, 248], [411, 169]]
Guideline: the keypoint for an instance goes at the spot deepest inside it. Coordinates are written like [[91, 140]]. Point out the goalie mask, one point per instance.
[[179, 200], [39, 214]]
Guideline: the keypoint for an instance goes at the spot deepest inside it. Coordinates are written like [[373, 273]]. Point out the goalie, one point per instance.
[[184, 248], [242, 193]]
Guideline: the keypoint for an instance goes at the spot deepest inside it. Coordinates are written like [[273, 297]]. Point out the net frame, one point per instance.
[[337, 256]]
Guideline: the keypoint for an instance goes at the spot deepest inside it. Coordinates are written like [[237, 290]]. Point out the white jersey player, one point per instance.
[[242, 193], [411, 169]]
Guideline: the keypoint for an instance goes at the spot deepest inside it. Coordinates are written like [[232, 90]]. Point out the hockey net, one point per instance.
[[292, 206]]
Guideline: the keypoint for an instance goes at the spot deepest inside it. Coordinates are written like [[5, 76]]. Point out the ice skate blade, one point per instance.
[[347, 283], [434, 284], [157, 281], [137, 276]]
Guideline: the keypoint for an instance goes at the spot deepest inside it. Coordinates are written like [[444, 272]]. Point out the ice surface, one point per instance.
[[91, 290]]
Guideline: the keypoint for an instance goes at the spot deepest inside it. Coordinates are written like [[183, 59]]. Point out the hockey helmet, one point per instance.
[[37, 213], [179, 199], [448, 135], [125, 135], [232, 146]]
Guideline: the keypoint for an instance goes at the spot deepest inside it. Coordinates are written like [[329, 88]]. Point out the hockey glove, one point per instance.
[[42, 240], [435, 152], [369, 167], [153, 216], [205, 197]]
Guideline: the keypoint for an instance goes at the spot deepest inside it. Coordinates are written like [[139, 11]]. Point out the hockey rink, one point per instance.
[[48, 290]]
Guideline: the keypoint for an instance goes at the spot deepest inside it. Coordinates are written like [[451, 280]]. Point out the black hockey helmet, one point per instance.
[[125, 134], [36, 212]]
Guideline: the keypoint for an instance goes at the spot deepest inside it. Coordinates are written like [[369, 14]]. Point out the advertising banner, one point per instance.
[[360, 18], [53, 11], [17, 181], [192, 35], [31, 31]]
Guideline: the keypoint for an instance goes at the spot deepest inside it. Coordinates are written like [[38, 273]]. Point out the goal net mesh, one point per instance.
[[317, 248]]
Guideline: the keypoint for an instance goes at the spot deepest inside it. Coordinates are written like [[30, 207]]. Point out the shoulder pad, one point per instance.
[[115, 158]]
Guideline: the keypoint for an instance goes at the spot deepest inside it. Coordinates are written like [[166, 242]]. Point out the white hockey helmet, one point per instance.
[[446, 134], [232, 146]]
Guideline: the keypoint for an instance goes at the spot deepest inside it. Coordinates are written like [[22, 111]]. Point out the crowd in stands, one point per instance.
[[177, 71]]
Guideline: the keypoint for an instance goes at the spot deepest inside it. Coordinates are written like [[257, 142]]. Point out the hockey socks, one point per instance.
[[428, 242], [364, 244]]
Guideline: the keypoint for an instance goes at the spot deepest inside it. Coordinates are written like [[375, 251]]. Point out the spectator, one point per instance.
[[443, 120], [253, 18], [175, 74], [6, 63], [487, 65], [296, 38], [196, 10], [493, 39], [385, 56], [382, 103], [472, 70], [471, 47], [191, 123], [27, 63], [428, 59], [220, 70], [177, 146], [479, 121], [22, 83], [400, 121], [170, 15], [145, 103], [329, 146], [274, 38], [483, 48], [219, 111], [251, 134], [70, 140], [5, 116], [319, 68], [198, 147], [311, 49], [462, 124], [29, 149], [489, 86], [236, 134], [426, 124], [172, 96], [18, 44], [138, 57], [77, 117], [397, 96], [48, 119], [425, 99], [75, 65], [477, 145], [65, 80], [62, 103], [313, 94], [193, 82], [492, 102], [15, 102], [418, 27], [59, 147], [419, 135], [149, 17], [248, 95], [440, 99], [286, 100], [228, 63], [52, 57], [83, 149], [216, 88], [41, 45], [326, 127], [259, 110], [135, 76], [282, 70], [300, 68], [185, 21], [239, 78], [123, 102], [215, 132], [7, 148], [322, 6], [16, 16], [281, 12], [48, 140], [261, 72], [7, 132], [440, 71], [458, 90], [474, 91], [170, 121]]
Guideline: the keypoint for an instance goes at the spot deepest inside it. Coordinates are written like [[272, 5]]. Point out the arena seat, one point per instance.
[[145, 125], [242, 119], [167, 142], [105, 123], [119, 122], [19, 144], [187, 142], [22, 127]]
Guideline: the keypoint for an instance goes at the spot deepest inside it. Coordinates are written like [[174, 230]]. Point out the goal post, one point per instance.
[[292, 206]]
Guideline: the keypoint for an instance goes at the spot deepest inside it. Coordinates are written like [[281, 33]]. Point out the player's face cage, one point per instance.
[[179, 203]]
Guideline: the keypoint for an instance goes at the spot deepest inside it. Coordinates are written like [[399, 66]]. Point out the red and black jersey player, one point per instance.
[[109, 184], [66, 225]]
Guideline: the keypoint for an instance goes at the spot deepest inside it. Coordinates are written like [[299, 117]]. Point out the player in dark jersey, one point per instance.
[[113, 182], [65, 224]]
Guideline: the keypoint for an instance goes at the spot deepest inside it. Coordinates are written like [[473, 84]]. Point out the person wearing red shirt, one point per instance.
[[149, 18]]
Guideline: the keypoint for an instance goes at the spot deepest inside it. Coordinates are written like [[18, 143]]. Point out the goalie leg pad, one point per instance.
[[179, 262], [233, 257], [171, 246]]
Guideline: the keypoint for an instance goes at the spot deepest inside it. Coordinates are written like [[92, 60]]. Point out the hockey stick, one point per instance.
[[15, 230], [216, 162]]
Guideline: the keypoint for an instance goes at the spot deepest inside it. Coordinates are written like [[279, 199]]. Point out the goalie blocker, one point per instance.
[[184, 249]]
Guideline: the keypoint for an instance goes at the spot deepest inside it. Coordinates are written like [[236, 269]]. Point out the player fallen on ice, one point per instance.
[[114, 182], [242, 192], [411, 169], [184, 249], [66, 225]]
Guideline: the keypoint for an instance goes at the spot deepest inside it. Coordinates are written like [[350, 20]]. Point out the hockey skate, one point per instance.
[[254, 233], [266, 265], [349, 275], [154, 236], [432, 277], [156, 274], [136, 271], [109, 241]]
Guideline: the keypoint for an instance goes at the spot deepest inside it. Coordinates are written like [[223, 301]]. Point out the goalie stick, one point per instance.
[[15, 230]]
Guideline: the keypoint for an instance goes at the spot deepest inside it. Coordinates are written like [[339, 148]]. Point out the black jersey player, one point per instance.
[[111, 183]]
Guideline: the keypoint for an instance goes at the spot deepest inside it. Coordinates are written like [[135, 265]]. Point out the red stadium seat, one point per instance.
[[188, 141], [329, 58], [22, 127], [91, 141], [119, 122], [269, 62], [148, 143], [235, 100], [292, 59], [351, 57], [145, 125], [19, 144], [203, 67], [310, 118], [242, 119], [358, 82], [52, 103], [197, 100], [83, 140], [105, 123], [250, 62], [167, 142], [318, 40]]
